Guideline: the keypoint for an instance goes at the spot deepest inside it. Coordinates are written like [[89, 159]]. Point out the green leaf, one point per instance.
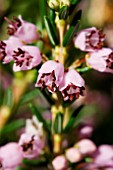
[[30, 96], [50, 31], [79, 115], [83, 70], [58, 123], [37, 113], [76, 18], [42, 8], [64, 12], [33, 162], [12, 126], [70, 34], [72, 119], [8, 97], [75, 1]]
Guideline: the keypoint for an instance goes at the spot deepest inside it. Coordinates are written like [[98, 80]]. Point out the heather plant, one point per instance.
[[53, 60]]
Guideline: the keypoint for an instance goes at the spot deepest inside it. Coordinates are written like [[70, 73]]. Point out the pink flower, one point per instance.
[[25, 31], [31, 145], [26, 57], [60, 163], [101, 60], [72, 85], [7, 47], [10, 156], [85, 131], [104, 156], [50, 75], [85, 146], [73, 155], [102, 159], [89, 39]]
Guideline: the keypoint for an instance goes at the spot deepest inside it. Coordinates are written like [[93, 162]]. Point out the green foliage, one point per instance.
[[8, 98], [70, 34], [50, 31], [58, 123], [79, 115]]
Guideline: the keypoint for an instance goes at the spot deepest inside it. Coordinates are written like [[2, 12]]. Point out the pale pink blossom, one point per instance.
[[7, 47], [89, 39], [101, 159], [85, 146], [60, 163], [101, 60], [31, 145], [104, 156], [10, 156], [26, 58], [72, 85], [73, 155], [85, 131], [50, 75], [25, 31]]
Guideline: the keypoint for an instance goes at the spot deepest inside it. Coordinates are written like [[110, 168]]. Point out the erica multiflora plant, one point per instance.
[[60, 78]]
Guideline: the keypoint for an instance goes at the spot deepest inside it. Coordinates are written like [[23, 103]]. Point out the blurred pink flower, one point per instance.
[[72, 85], [50, 75], [10, 156], [101, 60], [31, 145], [26, 57], [85, 131], [89, 39], [85, 146], [60, 163], [73, 155], [104, 156], [7, 47], [25, 31], [101, 159]]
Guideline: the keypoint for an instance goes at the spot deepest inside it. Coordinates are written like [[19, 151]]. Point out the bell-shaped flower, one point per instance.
[[89, 39], [26, 57], [25, 31], [73, 155], [60, 163], [50, 75], [101, 60], [31, 145], [34, 127], [7, 47], [10, 156], [85, 146], [72, 85]]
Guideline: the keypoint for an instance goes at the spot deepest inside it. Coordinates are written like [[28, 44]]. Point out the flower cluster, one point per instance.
[[53, 75], [30, 145], [99, 157], [62, 77], [91, 40], [25, 56]]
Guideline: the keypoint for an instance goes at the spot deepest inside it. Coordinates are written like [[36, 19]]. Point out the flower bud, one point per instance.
[[54, 4], [73, 155]]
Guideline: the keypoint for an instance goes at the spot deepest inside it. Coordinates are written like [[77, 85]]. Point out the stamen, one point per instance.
[[28, 145], [2, 50], [72, 91], [21, 57], [48, 80], [95, 42], [13, 25], [109, 61]]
